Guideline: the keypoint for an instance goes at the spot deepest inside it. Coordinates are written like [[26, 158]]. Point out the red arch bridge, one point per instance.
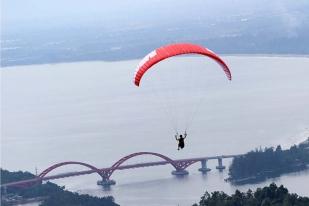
[[180, 166]]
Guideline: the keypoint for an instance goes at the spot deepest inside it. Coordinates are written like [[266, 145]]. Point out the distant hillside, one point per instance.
[[258, 165], [115, 31]]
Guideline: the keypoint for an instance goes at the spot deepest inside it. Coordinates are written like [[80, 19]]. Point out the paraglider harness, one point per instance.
[[181, 140]]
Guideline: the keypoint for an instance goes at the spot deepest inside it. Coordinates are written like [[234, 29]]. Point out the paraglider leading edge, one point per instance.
[[171, 50]]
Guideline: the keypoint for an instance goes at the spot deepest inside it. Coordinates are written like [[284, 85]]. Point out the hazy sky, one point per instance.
[[59, 12]]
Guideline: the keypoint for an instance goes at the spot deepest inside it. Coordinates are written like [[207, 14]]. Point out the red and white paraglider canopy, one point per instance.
[[173, 50]]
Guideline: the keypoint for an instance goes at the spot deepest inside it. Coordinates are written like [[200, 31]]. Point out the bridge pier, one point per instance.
[[106, 182], [40, 181], [4, 191], [220, 165], [204, 168], [180, 172]]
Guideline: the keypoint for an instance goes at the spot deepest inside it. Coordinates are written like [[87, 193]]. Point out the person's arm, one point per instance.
[[185, 134]]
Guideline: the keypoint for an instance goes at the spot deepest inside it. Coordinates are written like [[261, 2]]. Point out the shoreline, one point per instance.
[[260, 55], [262, 177], [266, 174]]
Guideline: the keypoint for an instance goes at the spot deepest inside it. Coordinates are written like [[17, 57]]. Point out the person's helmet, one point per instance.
[[180, 135]]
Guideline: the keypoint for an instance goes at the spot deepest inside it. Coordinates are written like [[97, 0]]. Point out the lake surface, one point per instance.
[[92, 112]]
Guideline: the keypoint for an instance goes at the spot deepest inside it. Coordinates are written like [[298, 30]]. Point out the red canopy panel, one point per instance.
[[173, 50]]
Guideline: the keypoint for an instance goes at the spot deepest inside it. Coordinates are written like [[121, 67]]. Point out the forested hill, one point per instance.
[[267, 196], [260, 164], [50, 193]]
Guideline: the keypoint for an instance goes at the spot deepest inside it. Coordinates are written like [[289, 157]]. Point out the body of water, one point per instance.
[[92, 112]]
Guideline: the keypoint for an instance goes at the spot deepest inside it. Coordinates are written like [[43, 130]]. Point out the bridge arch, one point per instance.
[[185, 164], [115, 166], [49, 169]]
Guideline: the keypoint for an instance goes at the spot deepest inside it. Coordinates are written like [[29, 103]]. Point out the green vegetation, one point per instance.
[[66, 198], [51, 193], [7, 176], [261, 164], [267, 196]]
